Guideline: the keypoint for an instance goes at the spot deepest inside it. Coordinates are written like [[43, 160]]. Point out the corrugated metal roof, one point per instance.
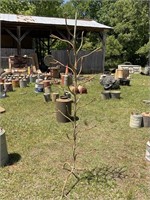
[[51, 21]]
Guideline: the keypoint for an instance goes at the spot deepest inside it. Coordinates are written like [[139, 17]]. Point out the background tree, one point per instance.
[[130, 21], [48, 8], [23, 7]]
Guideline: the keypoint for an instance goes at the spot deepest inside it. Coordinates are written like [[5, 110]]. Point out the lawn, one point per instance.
[[112, 152]]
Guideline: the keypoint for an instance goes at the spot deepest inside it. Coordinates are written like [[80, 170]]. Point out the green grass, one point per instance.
[[33, 133]]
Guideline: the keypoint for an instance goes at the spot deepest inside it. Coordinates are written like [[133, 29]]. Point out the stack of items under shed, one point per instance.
[[21, 72]]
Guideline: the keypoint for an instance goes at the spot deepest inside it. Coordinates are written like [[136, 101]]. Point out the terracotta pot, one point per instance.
[[74, 89], [82, 90]]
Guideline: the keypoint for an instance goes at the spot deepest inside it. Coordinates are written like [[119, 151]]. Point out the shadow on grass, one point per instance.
[[104, 174], [100, 175], [13, 158]]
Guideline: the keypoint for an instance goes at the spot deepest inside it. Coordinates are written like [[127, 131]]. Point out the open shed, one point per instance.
[[32, 33]]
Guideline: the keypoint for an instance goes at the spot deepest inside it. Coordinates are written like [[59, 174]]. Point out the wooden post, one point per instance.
[[103, 39], [18, 38], [19, 41]]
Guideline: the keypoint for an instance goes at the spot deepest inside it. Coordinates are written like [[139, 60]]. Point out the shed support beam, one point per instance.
[[18, 38], [103, 39]]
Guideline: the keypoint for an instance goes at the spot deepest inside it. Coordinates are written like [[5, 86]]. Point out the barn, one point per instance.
[[30, 35]]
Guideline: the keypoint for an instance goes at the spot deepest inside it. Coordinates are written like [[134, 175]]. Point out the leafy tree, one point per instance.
[[17, 7], [130, 21], [49, 8]]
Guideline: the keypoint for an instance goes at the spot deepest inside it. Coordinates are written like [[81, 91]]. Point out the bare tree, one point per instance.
[[71, 167]]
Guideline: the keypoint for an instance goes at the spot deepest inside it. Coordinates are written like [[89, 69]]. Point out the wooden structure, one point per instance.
[[32, 32]]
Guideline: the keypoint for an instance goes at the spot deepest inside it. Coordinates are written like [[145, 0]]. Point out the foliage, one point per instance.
[[87, 9], [114, 52], [144, 50], [32, 7], [17, 7], [49, 8], [130, 21]]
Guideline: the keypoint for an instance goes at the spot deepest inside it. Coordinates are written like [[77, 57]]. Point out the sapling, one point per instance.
[[72, 166]]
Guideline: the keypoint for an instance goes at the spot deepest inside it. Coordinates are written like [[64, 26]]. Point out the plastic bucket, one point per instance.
[[136, 120], [39, 87]]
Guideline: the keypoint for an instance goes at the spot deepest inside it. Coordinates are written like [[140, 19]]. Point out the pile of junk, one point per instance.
[[112, 79]]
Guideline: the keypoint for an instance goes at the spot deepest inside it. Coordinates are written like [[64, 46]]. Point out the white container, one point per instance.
[[147, 156], [135, 120]]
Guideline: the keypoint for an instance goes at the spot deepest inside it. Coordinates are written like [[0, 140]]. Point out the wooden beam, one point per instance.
[[18, 38], [19, 41], [103, 39]]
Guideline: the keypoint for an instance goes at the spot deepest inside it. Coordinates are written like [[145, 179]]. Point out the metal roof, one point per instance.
[[51, 21]]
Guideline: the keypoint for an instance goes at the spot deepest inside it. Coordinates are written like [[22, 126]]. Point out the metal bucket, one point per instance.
[[54, 96], [63, 109], [33, 78], [47, 89], [115, 94], [8, 86], [146, 119], [135, 120], [105, 95], [47, 97], [1, 87], [23, 83], [147, 156], [3, 148], [15, 83], [66, 79]]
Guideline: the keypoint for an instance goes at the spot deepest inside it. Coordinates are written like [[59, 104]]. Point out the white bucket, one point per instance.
[[147, 156], [136, 120], [39, 87]]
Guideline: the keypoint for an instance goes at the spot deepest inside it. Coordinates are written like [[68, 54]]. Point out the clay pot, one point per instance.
[[82, 90], [74, 89]]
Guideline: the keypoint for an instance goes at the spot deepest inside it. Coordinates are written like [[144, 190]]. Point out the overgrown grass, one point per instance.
[[112, 152]]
